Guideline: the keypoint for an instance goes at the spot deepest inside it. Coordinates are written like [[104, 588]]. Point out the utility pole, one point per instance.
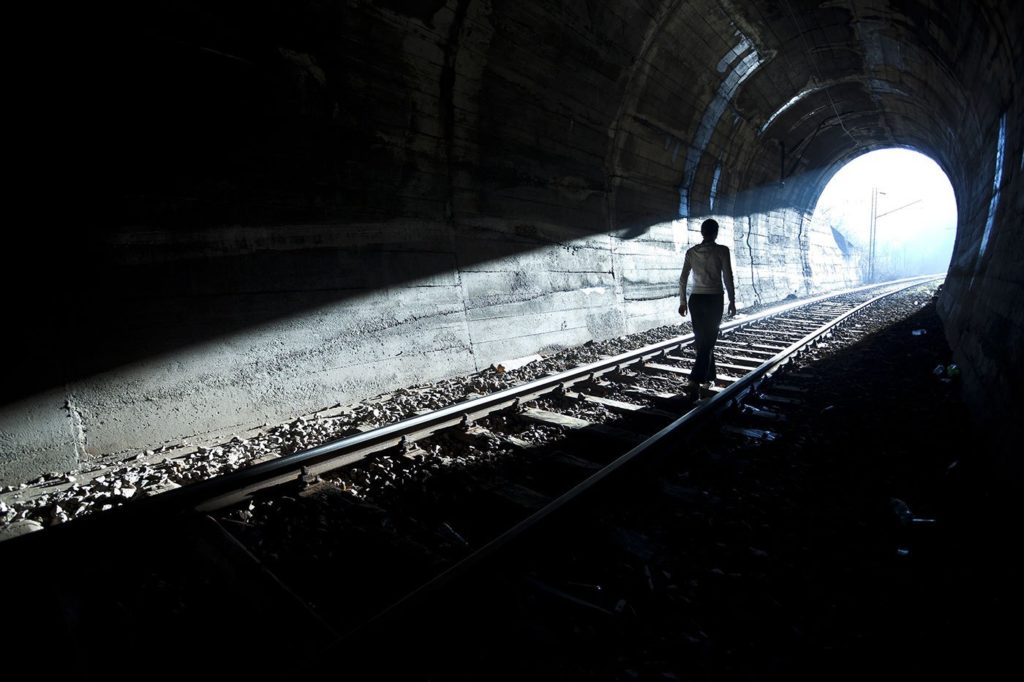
[[873, 228], [871, 234]]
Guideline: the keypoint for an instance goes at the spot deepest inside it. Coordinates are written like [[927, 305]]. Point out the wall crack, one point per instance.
[[750, 252], [77, 427], [805, 263]]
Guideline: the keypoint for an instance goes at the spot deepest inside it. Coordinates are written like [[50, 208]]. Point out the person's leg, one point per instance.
[[706, 311], [714, 321], [701, 337]]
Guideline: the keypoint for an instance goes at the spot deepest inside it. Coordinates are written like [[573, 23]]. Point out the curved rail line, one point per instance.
[[731, 396], [737, 340], [337, 576]]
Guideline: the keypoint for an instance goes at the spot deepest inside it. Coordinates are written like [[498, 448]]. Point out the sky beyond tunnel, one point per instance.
[[916, 209]]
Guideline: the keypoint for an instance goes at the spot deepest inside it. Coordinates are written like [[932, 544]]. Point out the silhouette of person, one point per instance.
[[711, 264]]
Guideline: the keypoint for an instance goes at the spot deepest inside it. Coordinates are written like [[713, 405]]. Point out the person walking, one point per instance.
[[711, 264]]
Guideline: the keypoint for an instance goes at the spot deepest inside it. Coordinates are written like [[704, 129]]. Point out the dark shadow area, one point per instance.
[[794, 559], [783, 559], [841, 242], [197, 587]]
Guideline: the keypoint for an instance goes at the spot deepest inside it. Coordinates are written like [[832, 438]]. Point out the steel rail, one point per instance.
[[231, 488], [238, 486], [722, 400]]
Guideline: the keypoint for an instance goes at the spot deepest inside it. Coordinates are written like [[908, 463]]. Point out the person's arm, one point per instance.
[[682, 284], [727, 276]]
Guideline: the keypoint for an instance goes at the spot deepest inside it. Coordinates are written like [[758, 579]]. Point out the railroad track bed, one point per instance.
[[58, 497], [331, 543], [453, 492], [109, 483], [432, 502], [749, 553]]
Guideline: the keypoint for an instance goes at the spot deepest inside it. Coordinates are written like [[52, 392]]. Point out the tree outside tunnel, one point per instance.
[[895, 209]]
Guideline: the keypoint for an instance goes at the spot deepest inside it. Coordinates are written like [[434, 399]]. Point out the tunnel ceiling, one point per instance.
[[272, 112], [814, 84]]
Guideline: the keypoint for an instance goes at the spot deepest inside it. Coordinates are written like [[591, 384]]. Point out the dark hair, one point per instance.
[[709, 228]]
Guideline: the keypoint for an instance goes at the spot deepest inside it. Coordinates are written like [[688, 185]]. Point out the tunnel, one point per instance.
[[287, 205]]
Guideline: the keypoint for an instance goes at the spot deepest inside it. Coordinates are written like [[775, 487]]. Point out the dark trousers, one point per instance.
[[706, 311]]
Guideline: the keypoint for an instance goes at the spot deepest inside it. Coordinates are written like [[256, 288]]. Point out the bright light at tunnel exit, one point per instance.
[[914, 212]]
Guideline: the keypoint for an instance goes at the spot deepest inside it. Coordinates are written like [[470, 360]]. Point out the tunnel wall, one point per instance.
[[982, 304], [347, 313]]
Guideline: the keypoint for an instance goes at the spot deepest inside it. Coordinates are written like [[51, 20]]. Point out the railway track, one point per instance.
[[291, 531]]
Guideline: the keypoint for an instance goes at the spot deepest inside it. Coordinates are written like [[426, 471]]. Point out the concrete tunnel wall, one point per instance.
[[304, 204]]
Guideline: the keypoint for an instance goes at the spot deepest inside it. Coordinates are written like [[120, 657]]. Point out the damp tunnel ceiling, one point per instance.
[[645, 111], [816, 84]]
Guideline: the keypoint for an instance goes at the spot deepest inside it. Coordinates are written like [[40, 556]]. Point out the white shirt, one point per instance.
[[710, 263]]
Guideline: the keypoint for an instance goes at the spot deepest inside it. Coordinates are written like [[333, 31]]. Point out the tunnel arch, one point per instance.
[[918, 240], [935, 79], [844, 109], [265, 157], [829, 173]]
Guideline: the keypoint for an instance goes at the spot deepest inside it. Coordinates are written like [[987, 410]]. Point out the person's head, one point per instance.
[[709, 229]]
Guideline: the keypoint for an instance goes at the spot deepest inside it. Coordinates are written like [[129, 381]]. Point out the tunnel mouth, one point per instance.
[[894, 210]]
